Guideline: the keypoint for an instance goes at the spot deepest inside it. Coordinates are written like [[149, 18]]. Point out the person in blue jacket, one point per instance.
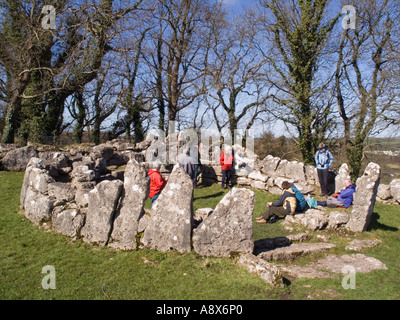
[[323, 160], [345, 198]]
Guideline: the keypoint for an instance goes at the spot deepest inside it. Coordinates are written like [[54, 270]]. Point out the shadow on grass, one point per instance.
[[376, 225], [210, 196]]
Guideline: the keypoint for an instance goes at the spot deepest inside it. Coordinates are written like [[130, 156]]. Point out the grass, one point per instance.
[[88, 272]]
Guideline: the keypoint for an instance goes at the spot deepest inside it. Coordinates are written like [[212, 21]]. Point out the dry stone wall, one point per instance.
[[78, 197], [74, 193]]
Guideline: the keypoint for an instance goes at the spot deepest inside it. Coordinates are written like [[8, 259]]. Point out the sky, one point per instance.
[[236, 6]]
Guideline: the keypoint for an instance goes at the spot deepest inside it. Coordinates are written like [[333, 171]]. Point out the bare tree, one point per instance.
[[366, 86], [235, 73], [180, 53]]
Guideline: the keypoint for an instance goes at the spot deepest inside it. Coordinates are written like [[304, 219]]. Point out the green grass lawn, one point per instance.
[[84, 271]]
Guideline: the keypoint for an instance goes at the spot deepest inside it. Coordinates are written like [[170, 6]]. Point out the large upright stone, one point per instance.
[[35, 198], [33, 163], [229, 228], [311, 175], [136, 191], [170, 225], [364, 198], [395, 189], [103, 201], [342, 176]]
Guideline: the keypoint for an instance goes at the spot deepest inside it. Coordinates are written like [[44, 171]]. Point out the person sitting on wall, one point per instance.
[[286, 205], [302, 204], [157, 182], [344, 198]]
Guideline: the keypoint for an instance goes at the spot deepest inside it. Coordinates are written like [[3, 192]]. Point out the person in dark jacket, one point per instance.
[[286, 205], [197, 164], [186, 162], [344, 199]]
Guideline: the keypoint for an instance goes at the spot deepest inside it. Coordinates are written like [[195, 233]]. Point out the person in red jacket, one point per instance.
[[157, 182], [226, 161]]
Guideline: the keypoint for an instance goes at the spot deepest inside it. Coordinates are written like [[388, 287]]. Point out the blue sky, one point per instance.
[[237, 5]]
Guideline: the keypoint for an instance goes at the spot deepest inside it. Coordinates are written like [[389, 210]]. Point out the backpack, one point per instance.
[[301, 201], [312, 203]]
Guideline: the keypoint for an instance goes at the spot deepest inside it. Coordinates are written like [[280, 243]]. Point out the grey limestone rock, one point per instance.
[[266, 271], [68, 222], [359, 262], [294, 251], [229, 228], [170, 224], [18, 159], [342, 176], [136, 191], [364, 198], [395, 190], [103, 201]]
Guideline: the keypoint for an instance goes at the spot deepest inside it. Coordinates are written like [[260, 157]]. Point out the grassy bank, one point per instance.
[[85, 272]]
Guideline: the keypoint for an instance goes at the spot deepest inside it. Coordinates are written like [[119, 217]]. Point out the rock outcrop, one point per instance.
[[126, 223], [170, 224], [229, 229], [364, 198], [103, 201]]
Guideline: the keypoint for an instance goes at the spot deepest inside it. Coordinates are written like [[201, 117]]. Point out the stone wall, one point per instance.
[[75, 194], [88, 202], [262, 174]]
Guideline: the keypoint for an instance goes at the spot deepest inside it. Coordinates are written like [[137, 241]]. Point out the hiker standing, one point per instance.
[[226, 161], [323, 160]]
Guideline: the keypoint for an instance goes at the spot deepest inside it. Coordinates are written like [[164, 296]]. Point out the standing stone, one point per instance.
[[229, 228], [281, 169], [342, 176], [39, 180], [364, 198], [395, 189], [136, 191], [170, 225], [33, 163], [103, 201], [34, 193]]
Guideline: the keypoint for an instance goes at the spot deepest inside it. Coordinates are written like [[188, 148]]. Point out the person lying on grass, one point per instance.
[[342, 200]]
